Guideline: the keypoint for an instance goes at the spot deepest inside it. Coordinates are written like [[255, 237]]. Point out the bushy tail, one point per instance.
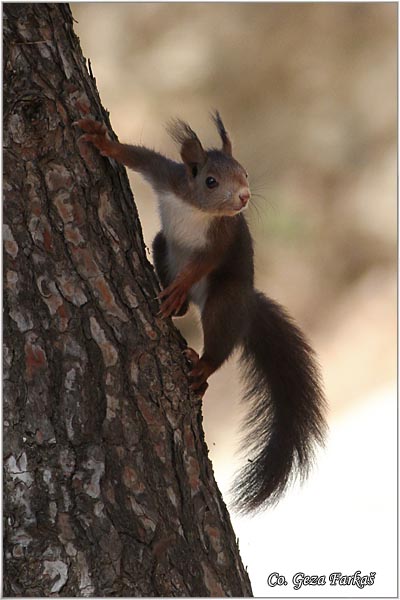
[[286, 414]]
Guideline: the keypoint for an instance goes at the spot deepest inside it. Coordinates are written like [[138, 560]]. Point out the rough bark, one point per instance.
[[108, 488]]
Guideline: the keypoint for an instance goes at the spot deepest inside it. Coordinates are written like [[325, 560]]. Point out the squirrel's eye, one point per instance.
[[211, 182]]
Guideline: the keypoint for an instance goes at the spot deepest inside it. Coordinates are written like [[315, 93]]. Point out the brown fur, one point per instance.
[[212, 238]]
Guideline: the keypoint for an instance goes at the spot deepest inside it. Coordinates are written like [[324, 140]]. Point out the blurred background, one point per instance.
[[308, 93]]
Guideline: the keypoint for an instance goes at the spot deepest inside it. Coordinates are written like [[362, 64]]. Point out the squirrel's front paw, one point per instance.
[[173, 298], [97, 134], [91, 126]]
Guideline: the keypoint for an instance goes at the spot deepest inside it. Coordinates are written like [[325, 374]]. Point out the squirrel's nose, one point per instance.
[[244, 198]]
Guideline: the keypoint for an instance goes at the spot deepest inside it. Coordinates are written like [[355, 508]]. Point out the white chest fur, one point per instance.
[[185, 229], [183, 224]]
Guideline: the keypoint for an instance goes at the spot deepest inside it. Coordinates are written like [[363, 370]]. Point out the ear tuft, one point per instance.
[[180, 131], [226, 142], [192, 152]]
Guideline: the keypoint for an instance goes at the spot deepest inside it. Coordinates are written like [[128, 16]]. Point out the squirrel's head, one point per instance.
[[218, 183]]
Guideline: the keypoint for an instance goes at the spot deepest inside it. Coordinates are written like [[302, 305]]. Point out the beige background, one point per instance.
[[308, 92]]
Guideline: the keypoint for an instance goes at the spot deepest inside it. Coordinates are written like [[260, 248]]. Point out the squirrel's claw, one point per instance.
[[192, 356], [175, 296], [197, 384], [200, 373], [96, 133], [91, 126]]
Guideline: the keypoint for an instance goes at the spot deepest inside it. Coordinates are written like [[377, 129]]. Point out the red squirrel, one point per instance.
[[204, 254]]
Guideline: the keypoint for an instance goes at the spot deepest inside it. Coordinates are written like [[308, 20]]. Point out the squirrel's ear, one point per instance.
[[193, 155], [192, 152], [226, 142]]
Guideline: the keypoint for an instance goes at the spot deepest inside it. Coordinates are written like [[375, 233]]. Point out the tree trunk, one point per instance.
[[108, 488]]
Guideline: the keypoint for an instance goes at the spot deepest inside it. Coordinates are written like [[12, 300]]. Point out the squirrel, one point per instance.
[[204, 255]]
